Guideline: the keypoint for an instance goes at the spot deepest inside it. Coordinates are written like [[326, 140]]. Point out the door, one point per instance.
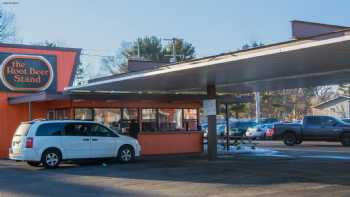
[[330, 128], [76, 141], [312, 128], [104, 143]]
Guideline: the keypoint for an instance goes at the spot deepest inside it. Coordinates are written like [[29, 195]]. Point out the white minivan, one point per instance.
[[50, 142]]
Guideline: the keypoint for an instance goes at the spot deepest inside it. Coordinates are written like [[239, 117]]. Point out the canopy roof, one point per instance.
[[318, 60]]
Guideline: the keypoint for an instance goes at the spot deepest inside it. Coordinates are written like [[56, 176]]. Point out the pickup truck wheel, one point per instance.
[[289, 139], [345, 141], [299, 142]]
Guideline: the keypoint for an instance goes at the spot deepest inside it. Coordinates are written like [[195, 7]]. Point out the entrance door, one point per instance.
[[76, 141], [104, 143]]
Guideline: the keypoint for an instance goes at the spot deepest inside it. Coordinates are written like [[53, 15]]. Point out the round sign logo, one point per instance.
[[26, 73]]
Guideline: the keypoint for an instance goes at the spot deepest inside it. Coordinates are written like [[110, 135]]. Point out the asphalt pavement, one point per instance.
[[247, 174]]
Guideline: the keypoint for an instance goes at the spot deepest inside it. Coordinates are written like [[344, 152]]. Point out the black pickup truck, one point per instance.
[[313, 128]]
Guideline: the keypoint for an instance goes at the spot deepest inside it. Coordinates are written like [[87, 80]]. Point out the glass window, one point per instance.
[[313, 120], [100, 131], [149, 120], [83, 114], [23, 129], [170, 120], [109, 117], [130, 116], [50, 129], [328, 121], [62, 114], [190, 119], [76, 129]]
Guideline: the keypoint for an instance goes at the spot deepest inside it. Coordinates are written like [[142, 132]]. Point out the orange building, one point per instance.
[[32, 86]]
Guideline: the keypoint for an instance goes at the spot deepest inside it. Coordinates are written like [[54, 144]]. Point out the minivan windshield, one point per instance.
[[23, 129]]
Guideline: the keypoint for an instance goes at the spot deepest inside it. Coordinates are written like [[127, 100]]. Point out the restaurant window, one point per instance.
[[190, 119], [83, 114], [170, 120], [62, 114], [58, 114], [130, 116], [108, 116], [149, 120]]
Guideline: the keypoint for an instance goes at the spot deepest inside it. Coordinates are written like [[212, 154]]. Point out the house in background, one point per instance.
[[338, 107]]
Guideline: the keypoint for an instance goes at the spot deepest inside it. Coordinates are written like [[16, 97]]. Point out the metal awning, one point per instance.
[[44, 96], [297, 63]]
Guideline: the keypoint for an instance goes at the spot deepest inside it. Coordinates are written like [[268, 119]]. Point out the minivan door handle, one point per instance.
[[86, 139]]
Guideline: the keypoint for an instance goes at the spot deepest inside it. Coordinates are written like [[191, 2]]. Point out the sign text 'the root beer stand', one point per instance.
[[27, 73]]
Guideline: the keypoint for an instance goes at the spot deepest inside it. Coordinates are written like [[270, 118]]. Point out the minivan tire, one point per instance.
[[289, 139], [51, 158], [126, 154], [34, 163], [345, 141]]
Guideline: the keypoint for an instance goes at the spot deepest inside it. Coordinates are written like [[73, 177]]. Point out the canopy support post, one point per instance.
[[30, 116], [212, 141]]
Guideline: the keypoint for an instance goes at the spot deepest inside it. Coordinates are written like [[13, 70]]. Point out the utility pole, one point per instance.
[[174, 55], [257, 106]]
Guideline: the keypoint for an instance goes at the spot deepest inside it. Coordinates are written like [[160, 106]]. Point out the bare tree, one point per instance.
[[7, 26]]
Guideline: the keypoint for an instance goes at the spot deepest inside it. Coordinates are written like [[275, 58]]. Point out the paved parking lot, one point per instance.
[[231, 175]]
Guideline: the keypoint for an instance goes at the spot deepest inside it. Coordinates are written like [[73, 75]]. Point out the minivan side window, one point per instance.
[[76, 129], [100, 131], [50, 129]]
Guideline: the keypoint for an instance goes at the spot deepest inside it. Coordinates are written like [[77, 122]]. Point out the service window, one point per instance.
[[130, 116], [83, 114], [149, 120], [190, 119], [110, 117], [170, 120], [62, 114], [76, 129], [50, 129]]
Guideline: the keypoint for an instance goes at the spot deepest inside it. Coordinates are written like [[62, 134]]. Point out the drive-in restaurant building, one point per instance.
[[37, 83]]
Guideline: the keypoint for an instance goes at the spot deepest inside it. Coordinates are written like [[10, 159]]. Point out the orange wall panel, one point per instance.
[[160, 143]]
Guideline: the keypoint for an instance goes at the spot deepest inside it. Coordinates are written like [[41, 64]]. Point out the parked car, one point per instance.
[[324, 128], [240, 127], [347, 120], [220, 129], [268, 120], [258, 131], [50, 142]]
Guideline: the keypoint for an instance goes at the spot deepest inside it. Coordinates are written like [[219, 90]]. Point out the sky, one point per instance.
[[212, 26]]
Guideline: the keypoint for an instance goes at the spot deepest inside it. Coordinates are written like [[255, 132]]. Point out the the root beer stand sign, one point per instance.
[[27, 73]]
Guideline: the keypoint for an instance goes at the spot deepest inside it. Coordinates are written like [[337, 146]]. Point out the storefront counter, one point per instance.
[[172, 142]]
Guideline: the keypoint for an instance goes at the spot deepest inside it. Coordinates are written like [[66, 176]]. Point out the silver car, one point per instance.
[[258, 131]]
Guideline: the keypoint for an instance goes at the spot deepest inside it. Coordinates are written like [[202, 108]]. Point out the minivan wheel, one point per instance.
[[289, 139], [51, 158], [34, 163], [345, 141], [126, 154]]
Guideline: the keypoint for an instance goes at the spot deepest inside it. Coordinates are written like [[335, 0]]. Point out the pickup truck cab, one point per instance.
[[313, 128]]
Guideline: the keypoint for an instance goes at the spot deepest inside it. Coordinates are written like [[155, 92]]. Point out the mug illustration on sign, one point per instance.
[[26, 73]]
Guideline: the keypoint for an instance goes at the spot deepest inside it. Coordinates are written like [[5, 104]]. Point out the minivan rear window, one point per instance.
[[23, 129], [50, 129]]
